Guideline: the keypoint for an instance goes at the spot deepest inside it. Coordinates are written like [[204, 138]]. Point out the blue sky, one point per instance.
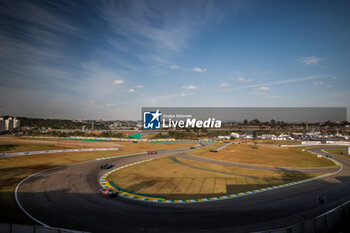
[[107, 59]]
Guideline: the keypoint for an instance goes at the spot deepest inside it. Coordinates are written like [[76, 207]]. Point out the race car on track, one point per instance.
[[152, 152], [107, 166], [108, 192], [192, 147]]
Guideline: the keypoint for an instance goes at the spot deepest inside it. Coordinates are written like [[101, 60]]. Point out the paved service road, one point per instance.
[[67, 197]]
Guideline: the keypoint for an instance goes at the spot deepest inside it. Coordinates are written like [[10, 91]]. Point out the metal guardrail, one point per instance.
[[333, 221], [221, 147], [19, 228]]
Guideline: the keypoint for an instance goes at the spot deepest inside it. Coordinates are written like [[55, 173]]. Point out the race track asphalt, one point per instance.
[[67, 197]]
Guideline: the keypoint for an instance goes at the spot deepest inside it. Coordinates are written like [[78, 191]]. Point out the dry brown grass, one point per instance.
[[339, 152], [173, 180], [14, 169], [58, 143], [17, 147], [266, 141], [265, 155]]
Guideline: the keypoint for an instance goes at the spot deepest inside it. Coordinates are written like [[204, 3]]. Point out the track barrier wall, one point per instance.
[[222, 147], [56, 151], [19, 228], [333, 221], [167, 140]]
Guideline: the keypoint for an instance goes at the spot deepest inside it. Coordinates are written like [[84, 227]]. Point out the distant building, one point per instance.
[[9, 123], [2, 124], [16, 123]]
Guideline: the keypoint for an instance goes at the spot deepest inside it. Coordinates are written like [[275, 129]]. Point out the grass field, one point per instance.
[[18, 147], [58, 143], [178, 181], [14, 169], [264, 155], [339, 152], [266, 141]]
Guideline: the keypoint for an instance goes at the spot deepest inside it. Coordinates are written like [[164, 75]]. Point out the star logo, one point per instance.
[[156, 115]]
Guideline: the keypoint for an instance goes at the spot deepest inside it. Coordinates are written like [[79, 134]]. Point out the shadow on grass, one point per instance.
[[7, 147], [91, 212]]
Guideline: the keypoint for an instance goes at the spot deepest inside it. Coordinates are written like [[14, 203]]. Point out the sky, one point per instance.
[[107, 59]]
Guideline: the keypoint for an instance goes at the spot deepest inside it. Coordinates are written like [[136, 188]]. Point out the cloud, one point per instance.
[[242, 80], [131, 90], [183, 94], [262, 89], [309, 60], [135, 24], [318, 83], [92, 102], [139, 86], [224, 84], [110, 105], [334, 77], [43, 16], [39, 33], [174, 67], [196, 69], [189, 87], [118, 82], [286, 81], [328, 86]]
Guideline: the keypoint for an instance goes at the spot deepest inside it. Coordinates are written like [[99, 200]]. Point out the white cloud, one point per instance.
[[139, 86], [183, 94], [318, 83], [286, 81], [197, 69], [309, 60], [131, 90], [135, 22], [334, 78], [118, 82], [174, 67], [262, 89], [92, 102], [224, 84], [110, 105], [242, 80], [328, 86], [189, 87]]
